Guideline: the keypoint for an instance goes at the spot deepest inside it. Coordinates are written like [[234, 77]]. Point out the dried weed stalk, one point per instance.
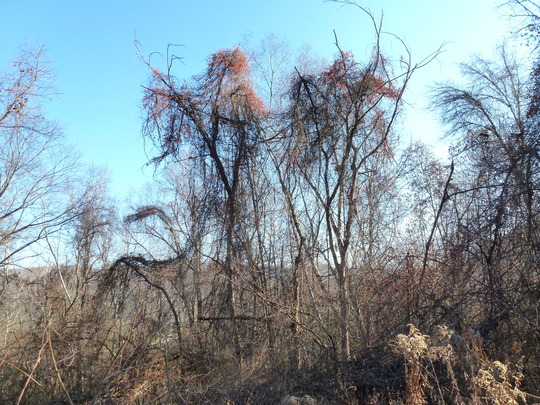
[[485, 381]]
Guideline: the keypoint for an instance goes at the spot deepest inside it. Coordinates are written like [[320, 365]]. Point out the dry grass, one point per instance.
[[470, 377]]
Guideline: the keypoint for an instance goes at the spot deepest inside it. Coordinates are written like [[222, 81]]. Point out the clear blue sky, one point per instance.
[[90, 45]]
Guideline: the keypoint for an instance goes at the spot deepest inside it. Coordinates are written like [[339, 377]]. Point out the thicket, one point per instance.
[[291, 251]]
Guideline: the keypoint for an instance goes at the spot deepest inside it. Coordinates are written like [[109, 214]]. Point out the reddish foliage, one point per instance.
[[229, 74], [156, 102], [224, 93], [229, 61], [346, 73], [338, 73], [382, 87], [380, 79], [365, 88]]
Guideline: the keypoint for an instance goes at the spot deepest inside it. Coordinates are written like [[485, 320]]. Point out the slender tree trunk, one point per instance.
[[297, 296], [230, 270], [344, 309]]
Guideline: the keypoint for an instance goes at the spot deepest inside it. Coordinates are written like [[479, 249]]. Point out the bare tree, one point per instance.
[[527, 14], [496, 203], [218, 117], [34, 166], [341, 121]]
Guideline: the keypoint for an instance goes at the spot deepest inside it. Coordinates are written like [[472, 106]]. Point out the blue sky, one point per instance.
[[90, 45]]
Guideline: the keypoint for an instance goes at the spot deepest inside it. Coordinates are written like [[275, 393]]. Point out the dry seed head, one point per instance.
[[413, 345], [495, 379], [444, 333]]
